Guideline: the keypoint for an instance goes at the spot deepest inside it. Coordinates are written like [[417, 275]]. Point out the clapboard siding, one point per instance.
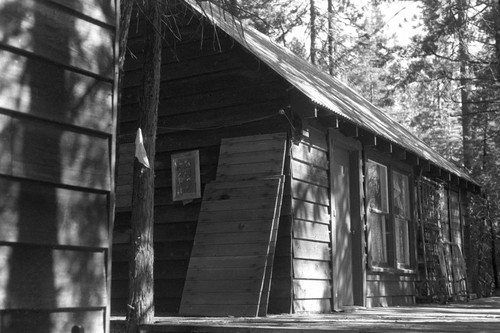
[[75, 285], [89, 100], [80, 218], [312, 289], [49, 152], [63, 321], [57, 133], [58, 36], [101, 12], [385, 289], [207, 94]]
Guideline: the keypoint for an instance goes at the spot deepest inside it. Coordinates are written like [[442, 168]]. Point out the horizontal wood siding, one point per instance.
[[311, 285], [57, 132], [42, 321], [390, 289], [207, 94]]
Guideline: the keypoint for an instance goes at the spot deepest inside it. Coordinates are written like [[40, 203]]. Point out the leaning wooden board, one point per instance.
[[231, 262]]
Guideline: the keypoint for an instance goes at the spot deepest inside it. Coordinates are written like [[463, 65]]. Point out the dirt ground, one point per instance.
[[480, 315]]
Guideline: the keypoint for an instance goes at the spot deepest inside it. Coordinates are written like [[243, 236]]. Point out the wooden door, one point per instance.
[[342, 247]]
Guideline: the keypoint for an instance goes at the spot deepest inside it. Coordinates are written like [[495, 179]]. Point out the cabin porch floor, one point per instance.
[[480, 315]]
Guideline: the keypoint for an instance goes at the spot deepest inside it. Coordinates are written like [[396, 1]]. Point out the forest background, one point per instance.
[[433, 65]]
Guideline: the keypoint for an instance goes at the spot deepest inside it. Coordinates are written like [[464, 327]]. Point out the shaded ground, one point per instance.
[[481, 315]]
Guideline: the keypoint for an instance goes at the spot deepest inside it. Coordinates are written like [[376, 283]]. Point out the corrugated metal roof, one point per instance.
[[323, 89]]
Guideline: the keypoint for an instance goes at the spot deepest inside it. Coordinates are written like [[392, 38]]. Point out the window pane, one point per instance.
[[445, 221], [401, 195], [402, 242], [377, 243], [377, 187]]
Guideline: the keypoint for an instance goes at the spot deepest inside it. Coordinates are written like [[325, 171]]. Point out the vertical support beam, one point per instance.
[[358, 230], [333, 221]]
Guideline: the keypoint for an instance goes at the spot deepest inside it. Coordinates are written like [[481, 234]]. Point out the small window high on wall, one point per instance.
[[389, 222]]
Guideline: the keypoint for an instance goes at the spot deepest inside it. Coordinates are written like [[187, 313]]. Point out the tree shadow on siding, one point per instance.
[[42, 99]]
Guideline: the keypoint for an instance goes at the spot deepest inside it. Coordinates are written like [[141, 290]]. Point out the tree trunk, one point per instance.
[[497, 49], [141, 306], [497, 36], [313, 32], [330, 37], [126, 7], [464, 95]]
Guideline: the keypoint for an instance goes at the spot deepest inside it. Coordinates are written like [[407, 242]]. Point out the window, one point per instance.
[[388, 216], [378, 211], [401, 202]]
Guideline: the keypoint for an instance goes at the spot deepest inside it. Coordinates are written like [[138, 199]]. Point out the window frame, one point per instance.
[[382, 214], [391, 240], [398, 219]]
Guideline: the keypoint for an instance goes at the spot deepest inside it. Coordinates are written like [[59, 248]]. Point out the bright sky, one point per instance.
[[402, 18]]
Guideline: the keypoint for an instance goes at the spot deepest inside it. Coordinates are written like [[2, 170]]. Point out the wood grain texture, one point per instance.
[[42, 28], [70, 98], [5, 144], [307, 269], [305, 249], [43, 278], [312, 305], [232, 243], [390, 288], [309, 154], [92, 320], [309, 173], [312, 289], [311, 231], [37, 213], [46, 152], [102, 11], [372, 302], [310, 211], [228, 253], [56, 164], [309, 192]]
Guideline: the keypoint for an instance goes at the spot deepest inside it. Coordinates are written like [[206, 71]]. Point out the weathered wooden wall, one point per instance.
[[390, 289], [311, 239], [207, 93], [57, 132]]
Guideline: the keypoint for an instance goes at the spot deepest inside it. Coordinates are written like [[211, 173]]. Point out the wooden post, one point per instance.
[[141, 306]]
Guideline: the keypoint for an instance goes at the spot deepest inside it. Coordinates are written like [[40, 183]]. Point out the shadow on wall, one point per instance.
[[43, 155]]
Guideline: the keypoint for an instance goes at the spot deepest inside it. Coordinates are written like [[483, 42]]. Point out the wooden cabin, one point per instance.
[[57, 139], [278, 188]]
